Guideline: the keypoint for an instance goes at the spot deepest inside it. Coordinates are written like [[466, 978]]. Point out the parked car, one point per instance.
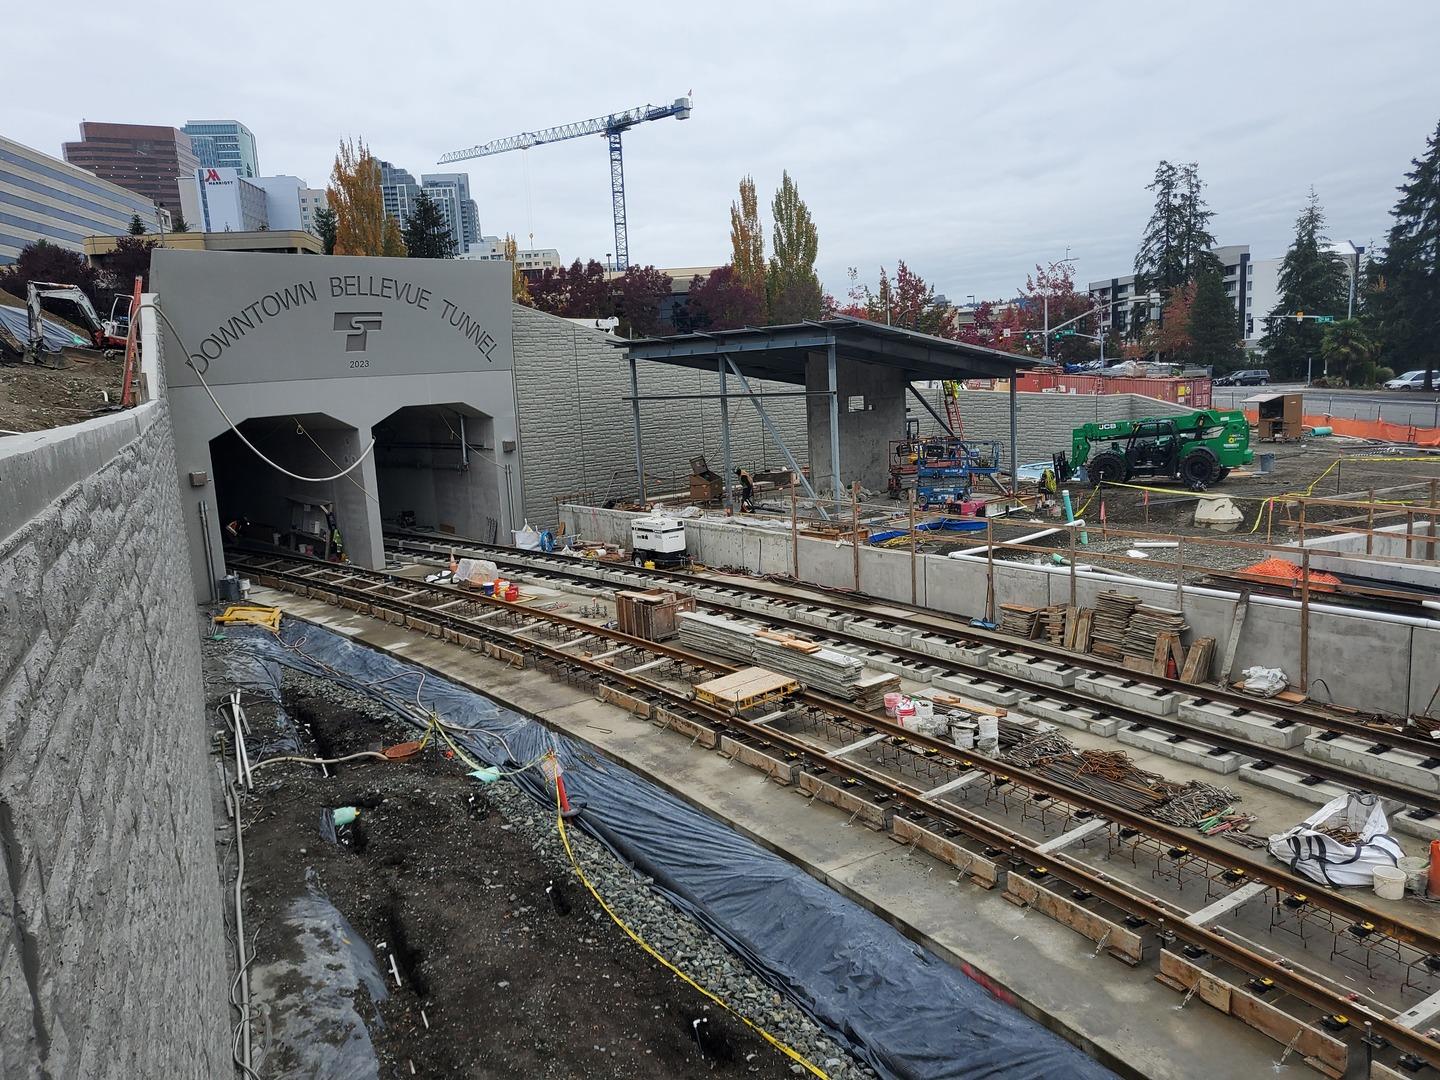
[[1413, 380], [1252, 377]]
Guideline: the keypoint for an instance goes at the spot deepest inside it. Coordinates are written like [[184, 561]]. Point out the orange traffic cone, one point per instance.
[[568, 810]]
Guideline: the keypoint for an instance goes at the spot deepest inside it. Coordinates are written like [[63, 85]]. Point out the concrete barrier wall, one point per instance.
[[113, 955], [1356, 660]]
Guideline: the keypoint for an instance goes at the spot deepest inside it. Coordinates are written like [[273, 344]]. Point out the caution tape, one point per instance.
[[792, 1054]]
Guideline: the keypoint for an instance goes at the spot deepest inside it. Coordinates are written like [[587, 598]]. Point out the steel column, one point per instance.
[[635, 416], [834, 384], [1014, 464], [725, 437]]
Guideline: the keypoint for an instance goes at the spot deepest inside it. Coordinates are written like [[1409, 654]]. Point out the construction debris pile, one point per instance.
[[824, 670], [1112, 776]]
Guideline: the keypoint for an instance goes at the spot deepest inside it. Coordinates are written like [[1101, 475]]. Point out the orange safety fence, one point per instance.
[[1369, 429]]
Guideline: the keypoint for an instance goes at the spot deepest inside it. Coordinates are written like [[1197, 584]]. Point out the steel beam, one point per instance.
[[617, 200], [944, 424], [725, 436], [1014, 465], [834, 384]]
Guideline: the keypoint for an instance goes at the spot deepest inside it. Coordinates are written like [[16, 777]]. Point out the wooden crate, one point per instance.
[[746, 688], [654, 616]]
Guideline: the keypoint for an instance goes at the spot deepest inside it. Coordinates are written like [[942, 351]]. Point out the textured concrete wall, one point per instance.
[[576, 429], [1044, 421], [112, 949]]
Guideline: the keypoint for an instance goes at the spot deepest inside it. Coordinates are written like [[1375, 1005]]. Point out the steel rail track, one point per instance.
[[923, 618], [1021, 849], [1301, 762]]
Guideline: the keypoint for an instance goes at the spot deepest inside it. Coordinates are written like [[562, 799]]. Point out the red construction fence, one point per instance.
[[1192, 393]]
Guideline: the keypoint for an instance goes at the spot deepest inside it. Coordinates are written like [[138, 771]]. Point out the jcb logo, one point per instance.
[[356, 326]]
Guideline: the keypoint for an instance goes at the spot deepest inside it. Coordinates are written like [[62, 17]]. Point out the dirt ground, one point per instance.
[[511, 982], [34, 398]]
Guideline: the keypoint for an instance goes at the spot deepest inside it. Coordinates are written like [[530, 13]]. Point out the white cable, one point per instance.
[[274, 465]]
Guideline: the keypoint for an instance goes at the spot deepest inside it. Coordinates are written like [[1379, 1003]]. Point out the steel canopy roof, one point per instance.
[[780, 352]]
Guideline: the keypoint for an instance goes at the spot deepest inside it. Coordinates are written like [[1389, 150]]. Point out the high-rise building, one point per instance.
[[221, 200], [224, 144], [492, 249], [454, 189], [44, 198], [145, 158], [1119, 300], [398, 190], [312, 200], [1265, 287]]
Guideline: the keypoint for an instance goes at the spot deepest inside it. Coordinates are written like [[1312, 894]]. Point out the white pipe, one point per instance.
[[1018, 540]]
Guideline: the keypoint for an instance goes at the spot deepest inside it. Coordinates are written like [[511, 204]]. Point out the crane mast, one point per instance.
[[612, 127]]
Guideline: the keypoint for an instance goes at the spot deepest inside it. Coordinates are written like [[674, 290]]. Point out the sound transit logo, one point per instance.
[[356, 326]]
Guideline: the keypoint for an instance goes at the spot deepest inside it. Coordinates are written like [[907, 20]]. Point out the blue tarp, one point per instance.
[[901, 1010], [944, 524], [54, 336]]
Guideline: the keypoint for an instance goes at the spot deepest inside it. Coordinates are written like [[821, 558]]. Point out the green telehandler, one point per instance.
[[1199, 448]]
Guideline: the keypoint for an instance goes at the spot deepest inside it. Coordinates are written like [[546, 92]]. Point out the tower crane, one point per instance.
[[612, 127]]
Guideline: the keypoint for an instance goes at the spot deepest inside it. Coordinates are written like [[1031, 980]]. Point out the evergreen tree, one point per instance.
[[426, 234], [325, 224], [1403, 298], [1312, 281], [1177, 240], [137, 227], [1214, 324], [178, 224], [791, 284]]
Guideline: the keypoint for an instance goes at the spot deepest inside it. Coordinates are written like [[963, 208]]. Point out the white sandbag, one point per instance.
[[1324, 859], [527, 539], [1265, 681], [474, 571]]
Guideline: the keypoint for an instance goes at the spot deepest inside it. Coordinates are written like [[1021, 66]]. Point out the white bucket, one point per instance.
[[989, 736], [1389, 882], [892, 701], [1416, 870], [924, 711], [964, 738]]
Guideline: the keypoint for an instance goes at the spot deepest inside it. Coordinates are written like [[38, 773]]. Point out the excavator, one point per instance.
[[108, 334]]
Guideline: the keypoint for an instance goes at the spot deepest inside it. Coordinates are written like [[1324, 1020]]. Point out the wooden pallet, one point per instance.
[[745, 689]]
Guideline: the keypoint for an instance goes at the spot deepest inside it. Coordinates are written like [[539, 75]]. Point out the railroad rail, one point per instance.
[[470, 619], [1417, 798]]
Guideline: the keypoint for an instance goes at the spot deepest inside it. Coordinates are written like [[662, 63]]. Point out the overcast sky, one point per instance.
[[972, 140]]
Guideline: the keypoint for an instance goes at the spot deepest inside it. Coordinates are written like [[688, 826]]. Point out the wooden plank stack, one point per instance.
[[1077, 629], [1019, 619], [1152, 636], [1198, 661], [822, 669], [1053, 621], [1109, 623]]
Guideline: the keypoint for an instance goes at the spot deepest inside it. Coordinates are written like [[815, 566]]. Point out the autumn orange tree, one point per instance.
[[519, 284], [361, 225], [747, 241]]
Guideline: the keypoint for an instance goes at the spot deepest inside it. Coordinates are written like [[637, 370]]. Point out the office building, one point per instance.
[[224, 144], [144, 158], [1122, 304], [221, 200], [398, 190], [1265, 287], [311, 201], [492, 249], [454, 188], [44, 198]]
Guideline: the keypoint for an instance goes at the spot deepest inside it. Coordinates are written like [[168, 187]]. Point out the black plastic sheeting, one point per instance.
[[901, 1010], [53, 335]]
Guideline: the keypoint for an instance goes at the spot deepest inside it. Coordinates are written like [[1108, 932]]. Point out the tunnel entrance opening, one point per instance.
[[259, 504], [437, 470]]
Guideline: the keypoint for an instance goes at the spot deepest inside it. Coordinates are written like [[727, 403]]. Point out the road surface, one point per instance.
[[1395, 406]]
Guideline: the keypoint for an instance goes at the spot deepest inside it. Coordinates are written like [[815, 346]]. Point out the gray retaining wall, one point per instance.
[[1364, 662], [112, 957]]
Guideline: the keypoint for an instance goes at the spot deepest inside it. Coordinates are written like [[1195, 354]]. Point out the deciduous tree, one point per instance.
[[43, 261], [747, 241], [1350, 351], [792, 287], [1403, 298], [908, 302], [519, 284], [361, 225], [722, 301], [578, 291], [1312, 281], [640, 293], [426, 234]]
